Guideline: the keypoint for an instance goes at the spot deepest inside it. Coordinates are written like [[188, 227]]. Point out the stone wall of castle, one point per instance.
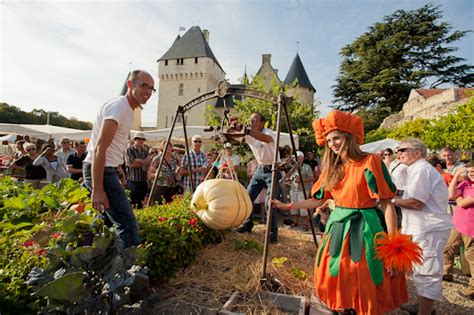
[[419, 107], [180, 82]]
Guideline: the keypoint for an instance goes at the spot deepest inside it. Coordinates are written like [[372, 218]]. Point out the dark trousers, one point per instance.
[[163, 193], [138, 192], [120, 212], [260, 180]]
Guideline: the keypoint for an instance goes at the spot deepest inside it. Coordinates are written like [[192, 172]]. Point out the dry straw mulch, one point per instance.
[[236, 265]]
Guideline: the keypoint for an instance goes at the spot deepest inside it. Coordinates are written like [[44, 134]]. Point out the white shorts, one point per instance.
[[428, 276], [297, 196]]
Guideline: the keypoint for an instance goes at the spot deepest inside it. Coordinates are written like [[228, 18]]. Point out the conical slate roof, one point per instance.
[[192, 44], [124, 89], [297, 72]]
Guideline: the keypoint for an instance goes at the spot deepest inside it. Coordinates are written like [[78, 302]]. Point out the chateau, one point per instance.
[[189, 68], [428, 104]]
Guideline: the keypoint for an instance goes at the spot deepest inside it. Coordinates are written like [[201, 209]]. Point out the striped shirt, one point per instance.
[[197, 160], [136, 174]]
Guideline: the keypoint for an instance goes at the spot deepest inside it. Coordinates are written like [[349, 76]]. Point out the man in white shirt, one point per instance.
[[105, 153], [423, 204], [230, 158], [261, 142], [65, 150]]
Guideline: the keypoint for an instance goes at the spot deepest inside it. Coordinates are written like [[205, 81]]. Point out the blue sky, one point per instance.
[[71, 56]]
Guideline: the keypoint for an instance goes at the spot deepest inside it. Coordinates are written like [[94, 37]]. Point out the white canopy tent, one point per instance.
[[208, 137], [44, 132], [9, 138], [376, 146]]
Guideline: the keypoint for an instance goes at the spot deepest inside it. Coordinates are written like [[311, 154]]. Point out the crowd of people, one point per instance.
[[355, 195], [435, 198]]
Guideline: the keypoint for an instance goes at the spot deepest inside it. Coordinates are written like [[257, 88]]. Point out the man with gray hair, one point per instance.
[[423, 204], [198, 163]]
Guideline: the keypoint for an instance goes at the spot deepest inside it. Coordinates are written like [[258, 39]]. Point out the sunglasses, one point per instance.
[[197, 141], [387, 154], [401, 150], [143, 139], [32, 149]]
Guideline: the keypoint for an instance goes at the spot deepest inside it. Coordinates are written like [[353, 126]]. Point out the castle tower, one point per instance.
[[267, 72], [187, 70], [137, 113], [305, 88]]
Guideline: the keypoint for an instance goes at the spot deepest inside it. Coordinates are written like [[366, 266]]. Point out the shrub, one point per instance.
[[25, 227], [88, 271], [173, 234]]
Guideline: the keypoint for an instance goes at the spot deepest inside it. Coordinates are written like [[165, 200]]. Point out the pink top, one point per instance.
[[463, 219]]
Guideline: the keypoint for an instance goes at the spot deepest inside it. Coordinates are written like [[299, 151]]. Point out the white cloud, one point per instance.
[[71, 56]]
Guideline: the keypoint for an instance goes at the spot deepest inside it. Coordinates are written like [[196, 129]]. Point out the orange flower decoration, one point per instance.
[[397, 251], [337, 120]]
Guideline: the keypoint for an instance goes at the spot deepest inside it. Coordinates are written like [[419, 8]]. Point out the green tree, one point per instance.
[[301, 116], [14, 115], [455, 129], [407, 50]]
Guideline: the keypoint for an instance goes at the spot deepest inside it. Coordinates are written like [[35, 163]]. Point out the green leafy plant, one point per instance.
[[27, 220], [88, 270], [174, 235]]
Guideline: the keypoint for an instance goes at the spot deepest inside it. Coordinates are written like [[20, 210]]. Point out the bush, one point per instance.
[[27, 217], [173, 234]]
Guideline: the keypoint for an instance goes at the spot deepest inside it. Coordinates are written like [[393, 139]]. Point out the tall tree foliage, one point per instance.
[[407, 50], [14, 115]]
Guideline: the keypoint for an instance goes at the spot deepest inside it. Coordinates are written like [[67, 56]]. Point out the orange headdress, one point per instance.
[[337, 120]]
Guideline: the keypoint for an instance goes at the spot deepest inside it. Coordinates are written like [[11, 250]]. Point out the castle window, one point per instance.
[[181, 89], [201, 74], [199, 90], [180, 61], [166, 62], [195, 59]]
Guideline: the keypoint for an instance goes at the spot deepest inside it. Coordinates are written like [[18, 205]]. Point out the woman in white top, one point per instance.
[[55, 166]]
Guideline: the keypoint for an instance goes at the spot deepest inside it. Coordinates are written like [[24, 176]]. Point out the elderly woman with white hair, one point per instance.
[[34, 175], [424, 216]]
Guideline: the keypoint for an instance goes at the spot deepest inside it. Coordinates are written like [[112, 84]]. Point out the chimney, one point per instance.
[[206, 35], [266, 58]]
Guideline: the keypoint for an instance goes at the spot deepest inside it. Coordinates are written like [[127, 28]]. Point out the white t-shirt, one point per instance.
[[262, 151], [398, 172], [234, 158], [425, 184], [117, 109]]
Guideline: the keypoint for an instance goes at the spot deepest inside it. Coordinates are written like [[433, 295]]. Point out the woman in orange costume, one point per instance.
[[348, 277]]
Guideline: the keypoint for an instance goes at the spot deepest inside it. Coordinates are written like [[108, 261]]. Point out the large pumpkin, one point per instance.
[[221, 203]]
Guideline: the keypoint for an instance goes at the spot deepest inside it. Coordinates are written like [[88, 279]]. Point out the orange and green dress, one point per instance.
[[347, 273]]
